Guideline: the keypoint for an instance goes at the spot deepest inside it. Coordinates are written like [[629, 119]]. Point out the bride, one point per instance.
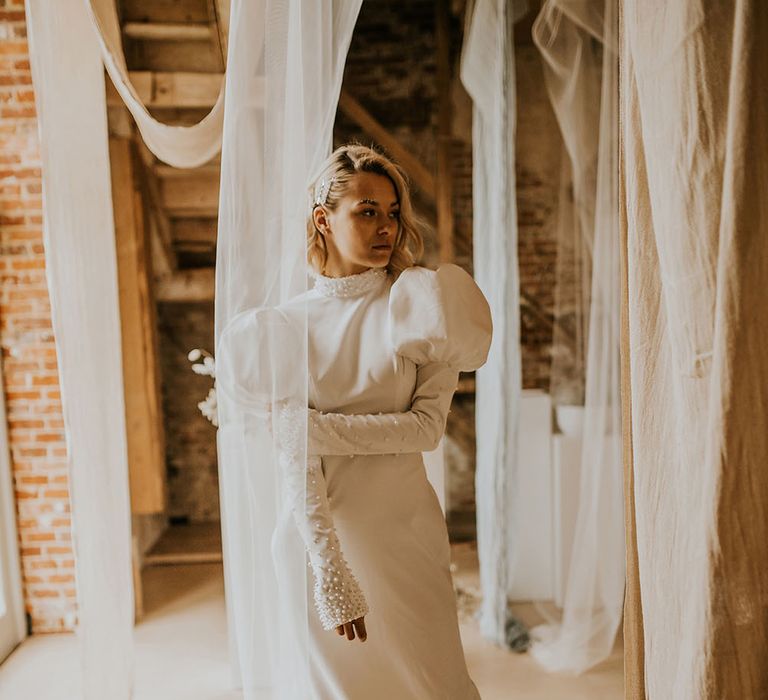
[[386, 340]]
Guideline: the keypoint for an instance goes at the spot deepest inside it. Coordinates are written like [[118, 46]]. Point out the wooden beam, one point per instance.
[[141, 377], [176, 11], [199, 190], [444, 188], [196, 211], [160, 266], [174, 56], [218, 10], [358, 114], [201, 231], [211, 170], [138, 588], [119, 121], [162, 235], [174, 558], [153, 31], [173, 90], [222, 22], [187, 286]]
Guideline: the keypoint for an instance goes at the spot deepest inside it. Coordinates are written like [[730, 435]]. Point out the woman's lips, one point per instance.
[[382, 246]]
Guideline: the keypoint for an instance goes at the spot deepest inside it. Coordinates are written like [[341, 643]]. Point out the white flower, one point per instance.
[[209, 407], [200, 369]]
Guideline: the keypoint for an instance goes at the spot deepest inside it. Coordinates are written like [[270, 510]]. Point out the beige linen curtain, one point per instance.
[[694, 103]]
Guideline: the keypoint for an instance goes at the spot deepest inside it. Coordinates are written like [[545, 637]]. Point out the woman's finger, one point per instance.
[[360, 627], [350, 630], [340, 630]]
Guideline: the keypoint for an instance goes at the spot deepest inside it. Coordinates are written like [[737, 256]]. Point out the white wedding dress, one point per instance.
[[383, 365], [383, 358]]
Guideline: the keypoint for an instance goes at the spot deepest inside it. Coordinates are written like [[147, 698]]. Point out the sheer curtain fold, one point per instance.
[[180, 146], [488, 73], [295, 52], [582, 80], [573, 70]]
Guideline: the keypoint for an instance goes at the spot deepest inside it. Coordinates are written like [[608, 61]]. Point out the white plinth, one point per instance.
[[532, 544]]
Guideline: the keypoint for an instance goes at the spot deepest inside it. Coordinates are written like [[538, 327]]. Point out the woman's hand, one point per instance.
[[349, 629]]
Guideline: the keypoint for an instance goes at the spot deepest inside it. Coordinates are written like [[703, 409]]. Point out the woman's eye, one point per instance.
[[372, 212]]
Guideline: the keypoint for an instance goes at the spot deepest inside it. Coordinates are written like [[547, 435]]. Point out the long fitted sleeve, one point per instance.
[[337, 593], [416, 430]]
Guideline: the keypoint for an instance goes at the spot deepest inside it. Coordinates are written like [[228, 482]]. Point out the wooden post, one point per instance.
[[159, 224], [141, 377], [218, 11], [443, 184], [138, 583]]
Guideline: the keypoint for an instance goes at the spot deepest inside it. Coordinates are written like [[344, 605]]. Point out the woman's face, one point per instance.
[[360, 233]]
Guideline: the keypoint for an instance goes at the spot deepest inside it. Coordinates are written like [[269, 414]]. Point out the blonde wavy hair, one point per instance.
[[345, 162]]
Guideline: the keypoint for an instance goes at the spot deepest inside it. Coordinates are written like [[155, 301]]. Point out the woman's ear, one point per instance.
[[320, 217]]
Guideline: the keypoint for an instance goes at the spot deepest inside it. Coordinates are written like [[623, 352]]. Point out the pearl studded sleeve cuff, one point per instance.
[[337, 593], [416, 430]]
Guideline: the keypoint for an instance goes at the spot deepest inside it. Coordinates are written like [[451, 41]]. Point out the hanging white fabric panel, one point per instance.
[[180, 146], [569, 37], [295, 52], [488, 73], [566, 32], [81, 270]]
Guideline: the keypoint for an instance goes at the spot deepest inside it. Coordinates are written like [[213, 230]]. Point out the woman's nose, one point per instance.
[[386, 224]]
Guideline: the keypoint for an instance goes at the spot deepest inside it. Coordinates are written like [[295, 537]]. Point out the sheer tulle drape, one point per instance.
[[488, 73], [582, 79], [570, 42], [293, 54]]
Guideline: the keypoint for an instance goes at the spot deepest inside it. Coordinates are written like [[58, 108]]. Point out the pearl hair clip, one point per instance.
[[325, 187]]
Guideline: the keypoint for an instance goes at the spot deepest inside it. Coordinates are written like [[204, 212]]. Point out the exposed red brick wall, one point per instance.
[[32, 398], [537, 169]]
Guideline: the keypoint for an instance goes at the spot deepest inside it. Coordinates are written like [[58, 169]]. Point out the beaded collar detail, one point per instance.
[[351, 285]]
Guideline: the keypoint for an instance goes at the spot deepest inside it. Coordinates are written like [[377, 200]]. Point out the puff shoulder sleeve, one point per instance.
[[255, 360], [441, 322], [440, 316]]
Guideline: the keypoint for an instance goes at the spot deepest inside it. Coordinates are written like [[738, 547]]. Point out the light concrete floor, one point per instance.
[[181, 649]]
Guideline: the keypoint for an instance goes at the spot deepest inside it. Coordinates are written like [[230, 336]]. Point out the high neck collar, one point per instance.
[[351, 285]]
